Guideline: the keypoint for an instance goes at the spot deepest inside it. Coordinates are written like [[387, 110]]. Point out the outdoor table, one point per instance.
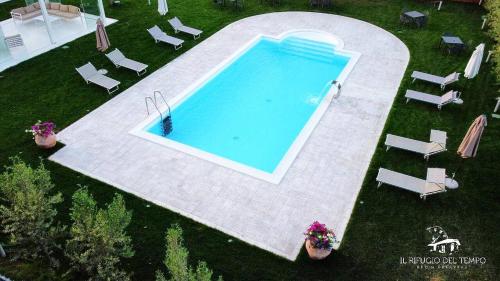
[[416, 17], [453, 43]]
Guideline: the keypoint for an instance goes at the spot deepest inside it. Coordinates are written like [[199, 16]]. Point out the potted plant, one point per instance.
[[319, 241], [44, 134]]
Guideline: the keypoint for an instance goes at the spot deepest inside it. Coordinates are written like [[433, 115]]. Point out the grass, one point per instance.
[[386, 224]]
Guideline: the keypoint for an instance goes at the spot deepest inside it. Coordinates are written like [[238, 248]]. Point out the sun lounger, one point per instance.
[[179, 27], [440, 101], [434, 183], [160, 36], [119, 60], [442, 81], [436, 145], [90, 74]]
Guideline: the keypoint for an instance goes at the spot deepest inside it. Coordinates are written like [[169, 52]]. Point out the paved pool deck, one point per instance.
[[322, 183]]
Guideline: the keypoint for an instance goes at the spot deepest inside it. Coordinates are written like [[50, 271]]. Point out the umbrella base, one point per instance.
[[451, 183]]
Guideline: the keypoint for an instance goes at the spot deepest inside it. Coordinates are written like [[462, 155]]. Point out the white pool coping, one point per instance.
[[277, 175], [323, 181]]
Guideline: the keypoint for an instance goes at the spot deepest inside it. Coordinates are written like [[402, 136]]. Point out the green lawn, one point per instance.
[[386, 223]]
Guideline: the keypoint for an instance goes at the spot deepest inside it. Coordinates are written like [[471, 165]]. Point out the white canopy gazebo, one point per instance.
[[46, 17], [39, 34]]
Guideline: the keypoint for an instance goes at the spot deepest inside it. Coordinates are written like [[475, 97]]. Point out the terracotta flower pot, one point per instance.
[[46, 142], [315, 253]]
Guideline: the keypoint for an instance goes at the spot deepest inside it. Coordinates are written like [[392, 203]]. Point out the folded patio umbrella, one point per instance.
[[101, 37], [470, 143], [472, 68], [162, 7]]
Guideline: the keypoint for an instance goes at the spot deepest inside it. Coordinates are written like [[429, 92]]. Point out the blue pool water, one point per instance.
[[253, 109]]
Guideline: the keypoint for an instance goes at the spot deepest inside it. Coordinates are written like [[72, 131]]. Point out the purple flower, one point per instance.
[[43, 129], [320, 236]]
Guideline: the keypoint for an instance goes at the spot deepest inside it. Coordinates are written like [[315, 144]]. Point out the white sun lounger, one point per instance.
[[160, 36], [436, 145], [119, 60], [440, 101], [434, 183], [179, 27], [90, 74], [442, 81]]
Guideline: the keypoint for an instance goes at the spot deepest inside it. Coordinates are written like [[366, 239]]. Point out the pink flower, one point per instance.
[[43, 129], [320, 236]]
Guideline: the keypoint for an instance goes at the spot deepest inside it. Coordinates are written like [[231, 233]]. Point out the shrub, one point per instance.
[[176, 260], [98, 239], [493, 7], [27, 212]]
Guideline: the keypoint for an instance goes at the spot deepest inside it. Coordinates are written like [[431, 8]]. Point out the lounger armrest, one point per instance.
[[450, 96], [15, 14], [379, 174], [455, 76]]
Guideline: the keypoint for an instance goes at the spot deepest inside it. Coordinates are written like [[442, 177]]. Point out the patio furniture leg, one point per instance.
[[497, 105], [110, 91]]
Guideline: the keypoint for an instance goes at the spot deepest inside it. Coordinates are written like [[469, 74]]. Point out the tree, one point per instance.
[[98, 239], [28, 210], [493, 7], [176, 260]]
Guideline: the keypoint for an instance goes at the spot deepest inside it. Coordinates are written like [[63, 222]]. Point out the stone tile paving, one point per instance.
[[322, 183]]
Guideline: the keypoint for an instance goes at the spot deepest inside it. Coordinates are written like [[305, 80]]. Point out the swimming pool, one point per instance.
[[257, 110]]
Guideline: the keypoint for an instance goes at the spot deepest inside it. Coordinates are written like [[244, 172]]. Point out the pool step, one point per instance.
[[309, 44], [308, 49]]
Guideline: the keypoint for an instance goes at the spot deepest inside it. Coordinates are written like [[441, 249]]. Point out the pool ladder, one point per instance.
[[339, 87], [166, 123]]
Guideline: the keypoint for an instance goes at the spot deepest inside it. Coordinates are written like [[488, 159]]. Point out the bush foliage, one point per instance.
[[493, 7], [27, 211], [98, 239], [176, 261]]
